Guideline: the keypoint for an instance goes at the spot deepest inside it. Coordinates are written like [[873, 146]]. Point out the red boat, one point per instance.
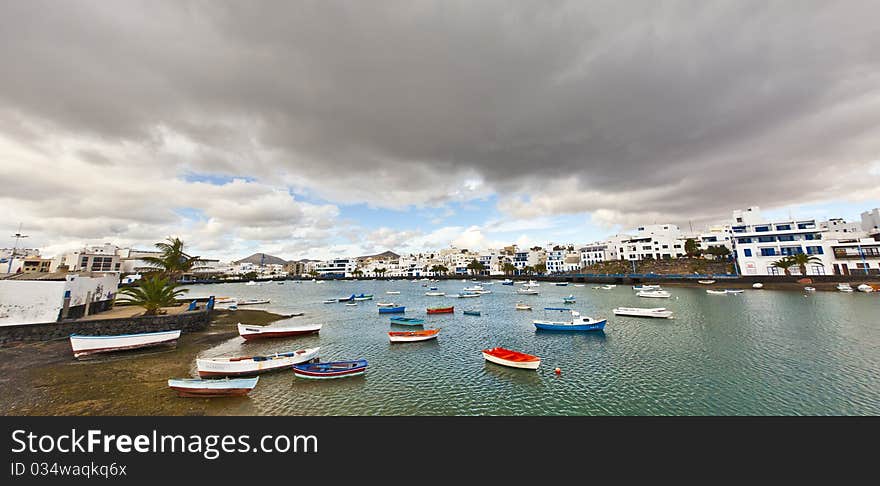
[[441, 310], [514, 359]]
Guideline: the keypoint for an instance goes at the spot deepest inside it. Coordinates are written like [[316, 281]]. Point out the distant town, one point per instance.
[[748, 244]]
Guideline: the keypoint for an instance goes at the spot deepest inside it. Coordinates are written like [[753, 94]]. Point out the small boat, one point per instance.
[[252, 365], [253, 301], [351, 304], [330, 369], [392, 310], [757, 285], [716, 292], [706, 282], [646, 287], [252, 283], [475, 288], [471, 312], [844, 287], [608, 287], [87, 345], [513, 359], [466, 295], [809, 289], [330, 301], [274, 331], [507, 282], [441, 310], [432, 288], [412, 336], [579, 285], [568, 300], [407, 321], [734, 291], [346, 299], [435, 294], [531, 283], [527, 291], [364, 297], [384, 304], [865, 288], [196, 387], [561, 284], [522, 306], [660, 312], [656, 294], [576, 322], [393, 292]]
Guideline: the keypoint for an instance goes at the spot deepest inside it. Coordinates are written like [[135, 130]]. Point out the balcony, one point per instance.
[[853, 253]]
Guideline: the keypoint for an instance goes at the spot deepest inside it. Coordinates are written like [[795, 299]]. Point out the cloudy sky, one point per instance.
[[317, 129]]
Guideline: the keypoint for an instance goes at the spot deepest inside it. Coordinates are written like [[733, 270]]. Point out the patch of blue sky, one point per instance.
[[193, 214], [214, 179]]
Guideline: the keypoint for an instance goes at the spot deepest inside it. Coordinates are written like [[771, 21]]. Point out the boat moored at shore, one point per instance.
[[575, 322], [330, 369], [88, 345], [412, 336], [658, 312], [275, 331], [512, 359], [252, 365], [198, 388]]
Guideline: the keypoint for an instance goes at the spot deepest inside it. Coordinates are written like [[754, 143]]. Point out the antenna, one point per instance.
[[18, 236]]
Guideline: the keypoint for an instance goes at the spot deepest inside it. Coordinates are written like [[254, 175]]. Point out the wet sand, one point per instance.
[[44, 378]]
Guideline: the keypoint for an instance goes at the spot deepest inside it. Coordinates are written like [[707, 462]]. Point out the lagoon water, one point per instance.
[[761, 352]]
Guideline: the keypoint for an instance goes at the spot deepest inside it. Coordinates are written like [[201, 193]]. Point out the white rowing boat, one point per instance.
[[659, 312], [86, 345], [252, 365]]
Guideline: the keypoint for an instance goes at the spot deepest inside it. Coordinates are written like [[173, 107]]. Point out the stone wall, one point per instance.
[[186, 322]]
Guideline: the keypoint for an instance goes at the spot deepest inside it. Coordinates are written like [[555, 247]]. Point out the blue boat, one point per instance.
[[344, 299], [507, 282], [392, 310], [576, 322], [568, 300], [407, 321], [433, 288], [471, 312], [330, 369]]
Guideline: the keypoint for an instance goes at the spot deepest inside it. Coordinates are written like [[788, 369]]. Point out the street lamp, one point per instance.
[[18, 236]]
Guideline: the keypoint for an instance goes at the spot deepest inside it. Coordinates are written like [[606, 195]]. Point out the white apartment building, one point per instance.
[[528, 258], [839, 225], [339, 267], [715, 236], [854, 256], [563, 258], [759, 245], [597, 252], [656, 241], [103, 258]]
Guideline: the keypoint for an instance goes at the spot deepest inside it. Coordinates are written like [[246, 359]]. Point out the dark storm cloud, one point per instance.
[[714, 104]]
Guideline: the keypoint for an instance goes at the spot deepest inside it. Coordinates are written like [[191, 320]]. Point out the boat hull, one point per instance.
[[89, 345], [326, 371], [415, 336], [525, 365], [392, 310], [405, 321], [556, 326], [261, 332], [249, 367], [661, 314], [212, 388], [441, 310]]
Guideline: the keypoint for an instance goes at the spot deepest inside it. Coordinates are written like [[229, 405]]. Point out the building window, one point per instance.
[[806, 225], [766, 239], [747, 252], [772, 271], [665, 246], [814, 250], [818, 270], [762, 229], [768, 251], [783, 227], [743, 240], [786, 237]]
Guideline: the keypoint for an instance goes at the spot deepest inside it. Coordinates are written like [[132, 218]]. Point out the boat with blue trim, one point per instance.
[[407, 321], [198, 388], [330, 369], [86, 345], [392, 310], [576, 322]]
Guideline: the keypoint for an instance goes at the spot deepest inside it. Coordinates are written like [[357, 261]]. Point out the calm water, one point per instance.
[[761, 352]]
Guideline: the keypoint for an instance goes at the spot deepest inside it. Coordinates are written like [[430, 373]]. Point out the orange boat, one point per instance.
[[412, 336], [514, 359], [441, 310]]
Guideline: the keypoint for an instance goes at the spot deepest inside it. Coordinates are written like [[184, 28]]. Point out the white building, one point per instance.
[[855, 256], [338, 267], [597, 252], [839, 225], [656, 241], [871, 221], [759, 245], [38, 298], [103, 258]]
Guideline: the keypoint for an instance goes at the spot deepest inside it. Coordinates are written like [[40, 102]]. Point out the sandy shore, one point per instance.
[[44, 379]]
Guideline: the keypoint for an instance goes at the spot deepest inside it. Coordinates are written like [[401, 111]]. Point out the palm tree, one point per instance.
[[508, 268], [357, 272], [475, 266], [541, 268], [784, 264], [441, 269], [152, 293], [529, 270], [801, 260], [173, 261]]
